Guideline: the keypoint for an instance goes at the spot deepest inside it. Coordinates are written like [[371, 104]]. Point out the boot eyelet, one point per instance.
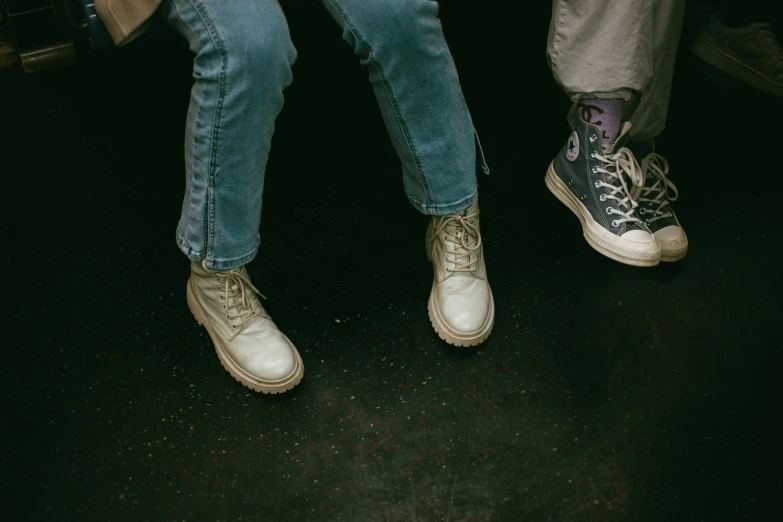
[[615, 224]]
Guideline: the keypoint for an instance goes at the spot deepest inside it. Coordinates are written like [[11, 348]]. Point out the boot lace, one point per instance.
[[240, 291], [463, 234]]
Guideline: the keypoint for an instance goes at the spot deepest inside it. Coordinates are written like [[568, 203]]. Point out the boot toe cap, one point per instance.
[[464, 307], [266, 355]]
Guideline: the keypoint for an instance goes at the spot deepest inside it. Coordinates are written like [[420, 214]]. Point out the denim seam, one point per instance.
[[214, 145], [432, 209], [234, 262], [392, 99], [184, 245], [182, 242], [217, 264]]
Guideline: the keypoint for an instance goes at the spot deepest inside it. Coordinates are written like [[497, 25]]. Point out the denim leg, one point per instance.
[[243, 57], [419, 94]]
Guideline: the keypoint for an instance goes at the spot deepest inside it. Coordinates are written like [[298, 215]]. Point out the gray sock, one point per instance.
[[606, 114]]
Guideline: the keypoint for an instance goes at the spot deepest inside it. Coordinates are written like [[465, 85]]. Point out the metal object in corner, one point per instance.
[[40, 39]]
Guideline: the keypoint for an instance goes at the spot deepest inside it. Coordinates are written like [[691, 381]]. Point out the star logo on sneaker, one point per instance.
[[572, 150]]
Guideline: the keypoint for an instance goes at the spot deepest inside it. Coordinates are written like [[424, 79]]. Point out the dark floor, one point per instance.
[[604, 393]]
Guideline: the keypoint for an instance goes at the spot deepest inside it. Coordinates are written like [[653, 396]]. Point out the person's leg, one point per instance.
[[649, 117], [601, 54], [418, 91], [601, 50], [648, 121], [416, 84], [616, 58], [243, 58]]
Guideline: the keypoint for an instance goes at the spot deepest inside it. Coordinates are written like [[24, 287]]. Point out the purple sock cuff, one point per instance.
[[606, 114]]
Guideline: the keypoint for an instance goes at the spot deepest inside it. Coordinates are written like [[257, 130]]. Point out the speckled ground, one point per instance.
[[605, 392]]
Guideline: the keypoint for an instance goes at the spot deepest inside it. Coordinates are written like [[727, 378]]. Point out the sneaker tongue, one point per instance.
[[622, 139]]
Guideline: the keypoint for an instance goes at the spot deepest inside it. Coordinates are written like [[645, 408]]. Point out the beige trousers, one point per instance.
[[618, 49]]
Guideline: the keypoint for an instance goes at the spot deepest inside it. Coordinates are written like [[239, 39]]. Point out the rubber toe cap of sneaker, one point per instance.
[[640, 240], [671, 235]]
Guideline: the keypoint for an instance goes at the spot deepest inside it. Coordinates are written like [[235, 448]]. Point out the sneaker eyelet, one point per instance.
[[615, 224], [609, 210], [593, 154], [602, 197], [597, 184], [642, 211], [594, 170], [592, 138]]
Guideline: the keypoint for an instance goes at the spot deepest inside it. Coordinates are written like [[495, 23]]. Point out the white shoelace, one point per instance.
[[237, 287], [622, 163], [655, 198], [461, 234]]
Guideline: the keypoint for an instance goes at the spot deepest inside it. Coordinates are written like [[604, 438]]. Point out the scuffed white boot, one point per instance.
[[461, 307], [247, 341]]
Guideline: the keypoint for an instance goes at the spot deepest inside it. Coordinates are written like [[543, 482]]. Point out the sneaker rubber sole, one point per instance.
[[673, 255], [240, 375], [597, 237]]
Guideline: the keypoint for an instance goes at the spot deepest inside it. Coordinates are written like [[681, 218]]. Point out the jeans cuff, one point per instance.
[[441, 209], [220, 264]]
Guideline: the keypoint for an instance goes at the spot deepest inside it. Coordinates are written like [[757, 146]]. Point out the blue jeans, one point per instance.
[[242, 65]]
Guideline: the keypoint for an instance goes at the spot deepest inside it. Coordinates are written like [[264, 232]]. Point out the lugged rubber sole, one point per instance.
[[232, 368]]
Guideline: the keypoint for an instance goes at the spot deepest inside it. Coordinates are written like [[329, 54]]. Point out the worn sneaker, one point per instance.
[[750, 54], [655, 208], [247, 342], [595, 185], [461, 307]]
